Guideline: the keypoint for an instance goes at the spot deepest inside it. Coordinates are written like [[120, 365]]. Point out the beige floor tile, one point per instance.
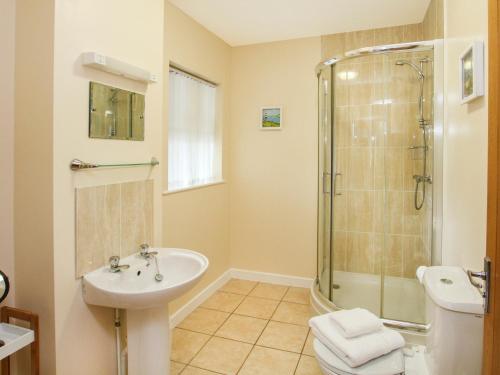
[[239, 286], [223, 301], [185, 344], [308, 366], [265, 361], [257, 307], [293, 313], [176, 368], [297, 295], [222, 355], [308, 347], [271, 291], [204, 320], [242, 328], [284, 336], [197, 371]]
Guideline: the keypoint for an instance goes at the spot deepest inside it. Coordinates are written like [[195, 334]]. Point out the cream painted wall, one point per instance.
[[130, 31], [465, 143], [33, 199], [273, 173], [198, 219], [7, 42]]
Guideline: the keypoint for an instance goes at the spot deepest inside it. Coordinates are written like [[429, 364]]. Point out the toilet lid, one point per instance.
[[389, 364]]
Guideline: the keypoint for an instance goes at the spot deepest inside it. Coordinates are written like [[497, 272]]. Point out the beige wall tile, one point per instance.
[[136, 215], [340, 251], [360, 210], [360, 256], [358, 39], [112, 220], [265, 361], [333, 45], [340, 211], [393, 255], [361, 168], [97, 226], [414, 255]]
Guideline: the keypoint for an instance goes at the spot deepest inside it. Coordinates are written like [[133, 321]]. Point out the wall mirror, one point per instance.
[[115, 113], [4, 286]]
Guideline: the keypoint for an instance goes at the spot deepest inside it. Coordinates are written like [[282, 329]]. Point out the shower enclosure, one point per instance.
[[376, 197]]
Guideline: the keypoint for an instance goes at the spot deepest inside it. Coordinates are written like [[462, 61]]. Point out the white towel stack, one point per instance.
[[355, 336]]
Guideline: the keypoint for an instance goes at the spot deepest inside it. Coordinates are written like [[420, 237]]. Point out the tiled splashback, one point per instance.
[[112, 220]]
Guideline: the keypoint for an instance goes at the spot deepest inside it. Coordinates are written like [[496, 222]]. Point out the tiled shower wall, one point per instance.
[[376, 110], [112, 220]]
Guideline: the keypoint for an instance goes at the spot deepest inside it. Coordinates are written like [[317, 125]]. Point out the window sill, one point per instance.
[[196, 187]]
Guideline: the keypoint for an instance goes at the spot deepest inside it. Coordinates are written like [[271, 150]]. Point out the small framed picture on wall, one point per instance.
[[271, 118], [472, 72]]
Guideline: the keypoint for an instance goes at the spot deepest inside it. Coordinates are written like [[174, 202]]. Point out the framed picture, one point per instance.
[[271, 118], [472, 72]]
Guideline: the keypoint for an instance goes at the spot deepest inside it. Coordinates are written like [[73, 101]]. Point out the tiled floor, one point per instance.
[[247, 328]]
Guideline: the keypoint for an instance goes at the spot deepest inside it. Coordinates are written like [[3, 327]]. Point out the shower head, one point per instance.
[[419, 71]]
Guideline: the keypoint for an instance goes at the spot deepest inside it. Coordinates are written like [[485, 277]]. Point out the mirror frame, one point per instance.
[[7, 286]]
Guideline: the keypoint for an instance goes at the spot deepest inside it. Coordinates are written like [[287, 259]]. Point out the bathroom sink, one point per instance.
[[145, 297], [136, 287]]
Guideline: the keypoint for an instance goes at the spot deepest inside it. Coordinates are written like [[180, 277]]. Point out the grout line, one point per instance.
[[261, 333], [213, 335]]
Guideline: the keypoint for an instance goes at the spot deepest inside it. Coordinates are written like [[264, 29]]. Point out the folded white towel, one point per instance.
[[356, 322], [358, 350]]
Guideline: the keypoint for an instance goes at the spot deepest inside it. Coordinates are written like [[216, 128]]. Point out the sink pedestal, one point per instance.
[[148, 341]]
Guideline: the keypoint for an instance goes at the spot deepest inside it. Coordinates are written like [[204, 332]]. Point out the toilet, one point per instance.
[[454, 309]]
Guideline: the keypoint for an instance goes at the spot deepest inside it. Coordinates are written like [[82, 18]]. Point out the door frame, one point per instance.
[[491, 340]]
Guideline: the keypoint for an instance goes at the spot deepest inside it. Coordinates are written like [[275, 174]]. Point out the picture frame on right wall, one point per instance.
[[472, 72]]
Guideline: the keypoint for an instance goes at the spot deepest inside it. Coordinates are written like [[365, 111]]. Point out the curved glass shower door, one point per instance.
[[375, 174], [324, 183]]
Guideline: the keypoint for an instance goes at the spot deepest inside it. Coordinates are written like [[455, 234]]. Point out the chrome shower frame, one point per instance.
[[322, 304]]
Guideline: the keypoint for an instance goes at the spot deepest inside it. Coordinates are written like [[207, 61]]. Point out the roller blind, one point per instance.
[[194, 145]]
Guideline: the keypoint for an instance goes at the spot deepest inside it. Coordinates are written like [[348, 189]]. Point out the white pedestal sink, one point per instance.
[[145, 299]]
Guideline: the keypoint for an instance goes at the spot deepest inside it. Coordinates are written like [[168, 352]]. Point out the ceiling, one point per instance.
[[240, 22]]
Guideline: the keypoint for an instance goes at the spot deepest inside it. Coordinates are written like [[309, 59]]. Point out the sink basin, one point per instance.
[[146, 301], [136, 287]]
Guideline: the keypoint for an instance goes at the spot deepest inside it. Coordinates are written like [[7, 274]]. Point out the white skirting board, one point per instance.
[[273, 278]]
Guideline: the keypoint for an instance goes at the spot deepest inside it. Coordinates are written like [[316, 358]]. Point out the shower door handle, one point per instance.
[[484, 288], [335, 184]]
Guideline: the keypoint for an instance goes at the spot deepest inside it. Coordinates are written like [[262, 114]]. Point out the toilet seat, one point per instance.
[[389, 364]]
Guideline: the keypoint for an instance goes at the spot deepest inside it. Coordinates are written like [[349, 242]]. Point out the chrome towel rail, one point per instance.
[[78, 165]]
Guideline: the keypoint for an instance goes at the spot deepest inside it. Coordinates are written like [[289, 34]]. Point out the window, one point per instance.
[[194, 145]]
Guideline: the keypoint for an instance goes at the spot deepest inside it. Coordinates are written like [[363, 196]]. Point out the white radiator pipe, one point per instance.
[[118, 342]]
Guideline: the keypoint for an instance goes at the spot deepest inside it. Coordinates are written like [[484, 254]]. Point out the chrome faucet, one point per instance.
[[145, 253], [148, 255], [114, 264]]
